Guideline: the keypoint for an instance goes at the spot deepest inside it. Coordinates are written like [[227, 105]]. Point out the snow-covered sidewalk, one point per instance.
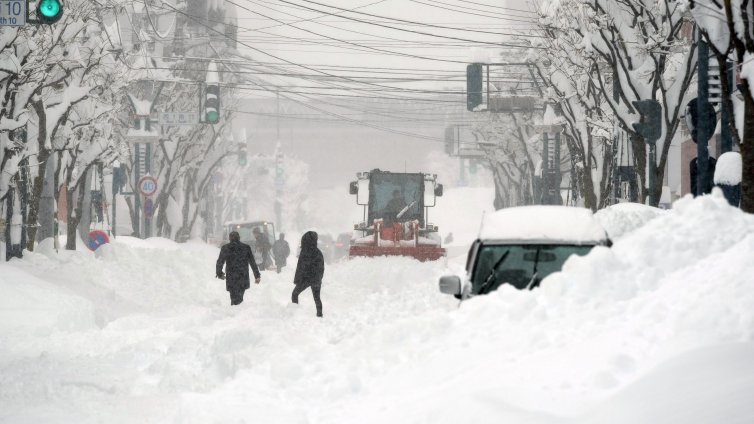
[[659, 328]]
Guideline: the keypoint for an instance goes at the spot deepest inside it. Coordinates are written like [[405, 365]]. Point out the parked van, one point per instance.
[[521, 246]]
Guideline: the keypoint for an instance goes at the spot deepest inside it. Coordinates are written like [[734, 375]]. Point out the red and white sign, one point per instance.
[[147, 186], [96, 238]]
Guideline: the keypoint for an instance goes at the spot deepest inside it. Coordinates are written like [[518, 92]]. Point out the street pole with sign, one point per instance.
[[649, 127], [701, 121]]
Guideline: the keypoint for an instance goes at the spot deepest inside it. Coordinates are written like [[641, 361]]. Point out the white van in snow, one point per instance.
[[522, 245]]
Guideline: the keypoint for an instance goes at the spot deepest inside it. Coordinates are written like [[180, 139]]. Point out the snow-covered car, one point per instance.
[[521, 246]]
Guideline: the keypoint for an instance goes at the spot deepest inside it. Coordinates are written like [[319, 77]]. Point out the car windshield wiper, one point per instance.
[[534, 282], [490, 280]]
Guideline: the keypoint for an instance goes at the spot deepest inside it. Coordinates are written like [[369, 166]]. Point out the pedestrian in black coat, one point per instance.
[[237, 258], [309, 270], [262, 244], [281, 250]]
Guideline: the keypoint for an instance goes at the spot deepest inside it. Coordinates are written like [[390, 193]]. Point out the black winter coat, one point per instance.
[[281, 250], [311, 263], [237, 258]]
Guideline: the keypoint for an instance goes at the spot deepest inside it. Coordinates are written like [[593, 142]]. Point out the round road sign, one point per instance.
[[147, 186], [96, 239]]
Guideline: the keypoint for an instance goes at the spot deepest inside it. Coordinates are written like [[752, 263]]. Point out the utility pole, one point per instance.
[[147, 171], [277, 116], [278, 169], [726, 138], [702, 126], [650, 128], [137, 197]]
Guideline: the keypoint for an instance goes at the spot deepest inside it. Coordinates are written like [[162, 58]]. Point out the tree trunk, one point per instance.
[[501, 191], [747, 152], [640, 161], [47, 202], [38, 182], [74, 215]]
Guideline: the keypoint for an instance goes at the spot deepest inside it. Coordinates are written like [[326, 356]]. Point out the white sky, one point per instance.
[[337, 46], [304, 40]]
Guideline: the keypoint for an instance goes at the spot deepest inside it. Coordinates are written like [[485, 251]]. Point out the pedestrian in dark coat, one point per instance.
[[281, 250], [237, 258], [263, 246], [309, 270]]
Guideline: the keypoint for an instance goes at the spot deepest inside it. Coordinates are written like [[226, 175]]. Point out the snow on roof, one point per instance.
[[728, 169], [550, 117], [141, 107], [543, 223]]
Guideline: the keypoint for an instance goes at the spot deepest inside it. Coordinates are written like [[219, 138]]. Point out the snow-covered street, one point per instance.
[[658, 328]]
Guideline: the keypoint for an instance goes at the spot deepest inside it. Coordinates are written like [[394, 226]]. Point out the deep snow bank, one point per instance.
[[658, 328], [683, 282], [624, 218]]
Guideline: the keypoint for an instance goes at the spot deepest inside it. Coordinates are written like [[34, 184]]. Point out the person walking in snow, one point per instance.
[[262, 244], [236, 257], [281, 250], [309, 270]]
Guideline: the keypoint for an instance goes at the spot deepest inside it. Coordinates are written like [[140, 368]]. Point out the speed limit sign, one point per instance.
[[147, 186]]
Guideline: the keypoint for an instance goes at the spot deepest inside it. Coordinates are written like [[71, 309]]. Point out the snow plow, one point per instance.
[[396, 211]]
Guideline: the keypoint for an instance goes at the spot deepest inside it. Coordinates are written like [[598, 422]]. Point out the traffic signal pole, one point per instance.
[[114, 193], [649, 128], [703, 126], [652, 171]]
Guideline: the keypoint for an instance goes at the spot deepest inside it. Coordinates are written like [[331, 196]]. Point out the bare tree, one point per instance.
[[728, 27], [641, 44]]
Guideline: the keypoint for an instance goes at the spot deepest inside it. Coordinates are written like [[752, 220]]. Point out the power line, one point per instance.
[[465, 12], [497, 44], [398, 20], [497, 7], [497, 33]]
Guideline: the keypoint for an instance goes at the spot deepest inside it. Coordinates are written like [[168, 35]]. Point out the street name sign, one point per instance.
[[178, 118], [12, 12]]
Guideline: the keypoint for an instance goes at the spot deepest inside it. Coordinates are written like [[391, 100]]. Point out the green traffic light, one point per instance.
[[213, 117], [49, 11]]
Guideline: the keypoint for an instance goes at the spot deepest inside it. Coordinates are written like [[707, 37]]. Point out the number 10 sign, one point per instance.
[[12, 12]]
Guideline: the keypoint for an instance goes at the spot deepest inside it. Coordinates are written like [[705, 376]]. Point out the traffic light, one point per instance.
[[474, 86], [279, 166], [242, 154], [701, 120], [119, 179], [212, 104], [49, 11], [650, 125]]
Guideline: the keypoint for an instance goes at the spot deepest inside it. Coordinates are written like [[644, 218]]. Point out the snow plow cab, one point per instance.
[[396, 207]]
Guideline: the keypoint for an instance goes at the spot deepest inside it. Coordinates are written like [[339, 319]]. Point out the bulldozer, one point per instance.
[[396, 212]]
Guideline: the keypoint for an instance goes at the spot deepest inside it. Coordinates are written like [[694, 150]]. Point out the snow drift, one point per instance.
[[658, 328]]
